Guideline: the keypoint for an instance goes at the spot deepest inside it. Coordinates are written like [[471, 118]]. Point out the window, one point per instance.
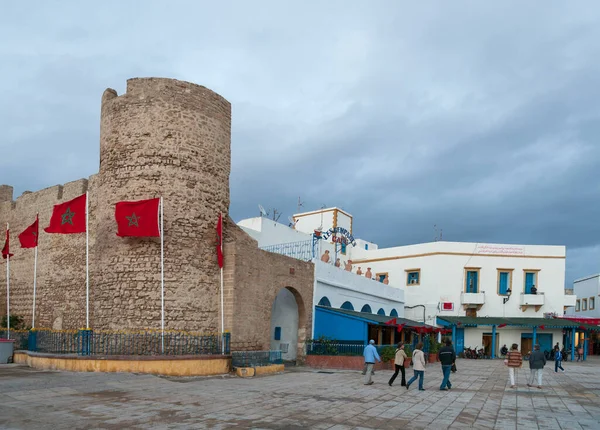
[[504, 281], [277, 333], [366, 246], [380, 276], [366, 309], [324, 302], [472, 279], [583, 305], [394, 313], [347, 306], [343, 247], [413, 276], [577, 305], [592, 303], [531, 281], [380, 311]]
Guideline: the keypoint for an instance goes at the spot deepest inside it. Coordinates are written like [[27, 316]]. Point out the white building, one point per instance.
[[586, 290], [438, 280]]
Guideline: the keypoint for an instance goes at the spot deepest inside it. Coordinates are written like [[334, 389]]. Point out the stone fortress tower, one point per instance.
[[172, 139], [162, 138]]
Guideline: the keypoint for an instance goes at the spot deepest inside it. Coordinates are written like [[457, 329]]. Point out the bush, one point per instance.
[[408, 351], [16, 322], [388, 353]]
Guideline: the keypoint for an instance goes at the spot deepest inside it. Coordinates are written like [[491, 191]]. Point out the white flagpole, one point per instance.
[[87, 262], [162, 277], [8, 291], [34, 284], [222, 307]]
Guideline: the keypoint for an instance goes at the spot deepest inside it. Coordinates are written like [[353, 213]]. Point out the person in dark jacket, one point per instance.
[[537, 361], [447, 357]]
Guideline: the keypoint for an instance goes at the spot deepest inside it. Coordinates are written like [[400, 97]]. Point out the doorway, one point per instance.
[[486, 341], [284, 325]]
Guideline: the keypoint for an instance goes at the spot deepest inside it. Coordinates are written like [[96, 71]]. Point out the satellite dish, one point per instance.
[[291, 220], [262, 210]]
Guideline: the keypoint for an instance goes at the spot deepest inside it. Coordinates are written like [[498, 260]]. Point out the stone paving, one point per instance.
[[301, 398]]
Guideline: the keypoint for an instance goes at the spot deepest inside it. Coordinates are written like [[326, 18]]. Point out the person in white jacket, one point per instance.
[[418, 359]]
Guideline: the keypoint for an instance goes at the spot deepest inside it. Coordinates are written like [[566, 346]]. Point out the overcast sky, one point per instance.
[[480, 117]]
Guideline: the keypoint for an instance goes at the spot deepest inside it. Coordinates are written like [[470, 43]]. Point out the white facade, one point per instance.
[[442, 268], [587, 292]]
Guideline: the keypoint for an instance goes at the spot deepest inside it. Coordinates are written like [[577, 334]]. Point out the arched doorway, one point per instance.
[[288, 320]]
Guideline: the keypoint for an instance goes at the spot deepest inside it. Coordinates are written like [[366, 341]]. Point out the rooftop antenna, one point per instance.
[[262, 210], [322, 207], [300, 204], [435, 232], [276, 215]]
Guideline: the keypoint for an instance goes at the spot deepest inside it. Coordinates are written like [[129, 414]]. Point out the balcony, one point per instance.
[[569, 300], [532, 300], [472, 300]]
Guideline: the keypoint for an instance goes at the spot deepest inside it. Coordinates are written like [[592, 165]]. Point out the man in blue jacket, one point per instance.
[[370, 354], [447, 357]]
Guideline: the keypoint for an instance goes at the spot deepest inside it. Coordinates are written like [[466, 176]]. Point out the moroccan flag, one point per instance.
[[391, 322], [400, 327], [68, 217], [542, 327], [29, 238], [501, 325], [220, 240], [6, 249], [139, 218]]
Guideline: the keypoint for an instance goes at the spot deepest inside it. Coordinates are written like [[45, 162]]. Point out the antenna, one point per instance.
[[276, 214], [262, 210], [300, 204], [322, 207]]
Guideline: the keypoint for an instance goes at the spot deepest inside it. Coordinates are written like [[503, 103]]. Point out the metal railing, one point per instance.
[[144, 342], [19, 336], [255, 358], [302, 250], [356, 349]]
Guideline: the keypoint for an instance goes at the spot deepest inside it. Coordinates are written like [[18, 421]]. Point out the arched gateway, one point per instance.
[[287, 315]]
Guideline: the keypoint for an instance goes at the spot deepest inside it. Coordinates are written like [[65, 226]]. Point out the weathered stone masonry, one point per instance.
[[161, 138]]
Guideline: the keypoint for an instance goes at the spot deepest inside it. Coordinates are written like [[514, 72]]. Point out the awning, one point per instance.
[[542, 323]]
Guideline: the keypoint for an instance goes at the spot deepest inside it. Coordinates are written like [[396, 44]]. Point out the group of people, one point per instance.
[[446, 356]]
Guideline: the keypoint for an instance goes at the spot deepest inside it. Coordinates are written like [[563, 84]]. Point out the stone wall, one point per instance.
[[161, 138]]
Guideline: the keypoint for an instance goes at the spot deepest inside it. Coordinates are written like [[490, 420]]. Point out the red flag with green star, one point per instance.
[[6, 250], [29, 237], [138, 218], [68, 217]]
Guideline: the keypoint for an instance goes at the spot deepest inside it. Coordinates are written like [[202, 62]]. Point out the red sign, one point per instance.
[[447, 306]]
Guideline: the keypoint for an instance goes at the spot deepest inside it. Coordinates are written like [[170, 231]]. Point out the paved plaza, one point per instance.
[[300, 398]]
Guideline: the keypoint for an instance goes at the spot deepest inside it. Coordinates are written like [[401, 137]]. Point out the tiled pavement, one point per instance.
[[301, 398]]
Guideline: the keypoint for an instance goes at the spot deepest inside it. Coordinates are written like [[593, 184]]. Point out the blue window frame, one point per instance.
[[394, 313], [413, 277], [530, 281], [277, 333], [348, 306], [381, 276], [503, 283], [343, 248], [366, 309], [472, 281]]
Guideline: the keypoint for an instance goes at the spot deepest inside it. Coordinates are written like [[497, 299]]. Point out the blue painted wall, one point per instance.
[[339, 327]]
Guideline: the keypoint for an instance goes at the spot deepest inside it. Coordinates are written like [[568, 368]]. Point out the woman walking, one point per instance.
[[514, 360], [418, 359], [399, 364]]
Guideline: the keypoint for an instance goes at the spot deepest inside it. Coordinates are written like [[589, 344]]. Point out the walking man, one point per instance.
[[447, 357], [557, 359], [537, 361], [370, 354]]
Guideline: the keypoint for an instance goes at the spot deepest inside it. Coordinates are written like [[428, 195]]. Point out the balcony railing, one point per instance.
[[302, 250], [473, 299], [532, 299]]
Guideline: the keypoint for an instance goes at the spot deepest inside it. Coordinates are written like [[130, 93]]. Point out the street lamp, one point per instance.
[[505, 299]]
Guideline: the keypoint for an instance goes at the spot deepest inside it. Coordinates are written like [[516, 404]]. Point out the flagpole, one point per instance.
[[8, 291], [222, 307], [34, 283], [87, 262], [162, 277]]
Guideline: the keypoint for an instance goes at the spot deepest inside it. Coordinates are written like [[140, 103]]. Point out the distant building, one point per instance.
[[453, 284]]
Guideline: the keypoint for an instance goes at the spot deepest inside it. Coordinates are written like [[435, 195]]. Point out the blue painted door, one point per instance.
[[529, 282], [545, 341], [472, 282], [460, 340]]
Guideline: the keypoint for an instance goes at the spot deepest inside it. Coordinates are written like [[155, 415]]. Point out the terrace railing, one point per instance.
[[302, 250]]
